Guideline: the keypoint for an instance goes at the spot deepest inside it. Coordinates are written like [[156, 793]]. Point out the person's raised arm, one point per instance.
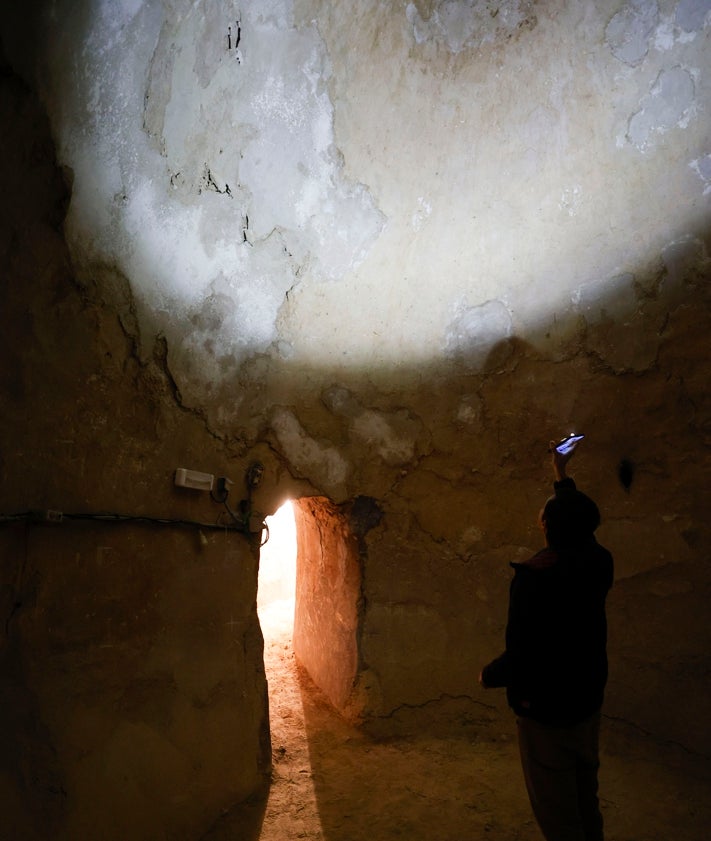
[[559, 461]]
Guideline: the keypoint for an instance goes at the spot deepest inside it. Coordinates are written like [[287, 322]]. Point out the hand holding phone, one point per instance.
[[568, 444]]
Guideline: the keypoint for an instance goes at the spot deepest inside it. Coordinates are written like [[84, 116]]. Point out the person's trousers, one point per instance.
[[560, 766]]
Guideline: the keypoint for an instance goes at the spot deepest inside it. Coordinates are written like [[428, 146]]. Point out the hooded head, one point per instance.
[[569, 518]]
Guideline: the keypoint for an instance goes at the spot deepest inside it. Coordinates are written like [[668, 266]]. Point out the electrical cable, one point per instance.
[[238, 523], [52, 516], [247, 514]]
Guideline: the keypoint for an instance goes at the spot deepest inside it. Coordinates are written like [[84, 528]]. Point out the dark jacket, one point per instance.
[[555, 664]]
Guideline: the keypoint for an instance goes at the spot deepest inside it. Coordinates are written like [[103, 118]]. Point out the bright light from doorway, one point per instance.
[[277, 573], [288, 812]]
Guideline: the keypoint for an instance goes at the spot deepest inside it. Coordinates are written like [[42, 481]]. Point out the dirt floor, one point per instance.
[[448, 772]]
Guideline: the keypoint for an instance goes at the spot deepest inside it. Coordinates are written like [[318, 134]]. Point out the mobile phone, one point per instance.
[[567, 444]]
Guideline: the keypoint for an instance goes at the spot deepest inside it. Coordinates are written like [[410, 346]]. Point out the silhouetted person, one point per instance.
[[554, 667]]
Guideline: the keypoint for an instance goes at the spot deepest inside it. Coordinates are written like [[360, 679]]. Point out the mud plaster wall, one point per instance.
[[328, 598], [390, 252], [132, 687]]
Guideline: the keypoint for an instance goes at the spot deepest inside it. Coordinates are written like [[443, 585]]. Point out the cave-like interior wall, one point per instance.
[[388, 253]]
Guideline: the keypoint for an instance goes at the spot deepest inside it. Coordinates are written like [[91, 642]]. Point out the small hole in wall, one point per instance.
[[625, 473]]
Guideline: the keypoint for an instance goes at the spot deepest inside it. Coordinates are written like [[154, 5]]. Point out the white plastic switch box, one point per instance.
[[193, 479]]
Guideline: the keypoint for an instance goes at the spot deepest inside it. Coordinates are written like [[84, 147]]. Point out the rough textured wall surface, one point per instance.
[[327, 599], [391, 250], [132, 687]]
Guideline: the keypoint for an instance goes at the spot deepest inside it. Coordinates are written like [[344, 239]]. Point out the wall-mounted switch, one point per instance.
[[193, 479]]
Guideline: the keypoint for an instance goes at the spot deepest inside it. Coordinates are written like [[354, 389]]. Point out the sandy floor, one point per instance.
[[450, 774]]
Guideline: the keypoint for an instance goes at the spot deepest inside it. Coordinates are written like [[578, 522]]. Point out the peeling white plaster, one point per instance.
[[424, 209], [212, 180], [320, 462], [463, 24], [666, 35], [571, 200], [669, 103], [601, 300], [641, 25], [693, 15], [372, 429], [391, 435], [197, 169], [702, 167], [630, 31], [474, 331]]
